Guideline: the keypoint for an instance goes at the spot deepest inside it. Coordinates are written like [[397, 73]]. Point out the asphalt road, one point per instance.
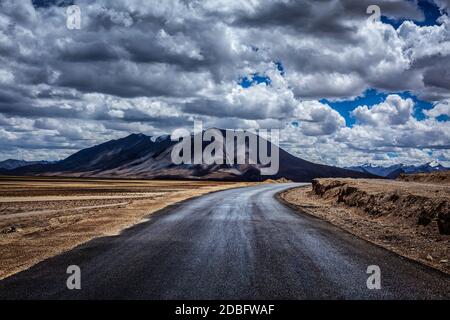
[[234, 244]]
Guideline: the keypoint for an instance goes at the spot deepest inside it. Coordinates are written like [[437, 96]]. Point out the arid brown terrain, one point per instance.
[[409, 218], [439, 177], [42, 217]]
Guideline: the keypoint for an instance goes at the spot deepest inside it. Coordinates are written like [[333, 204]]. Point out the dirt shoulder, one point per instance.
[[400, 216], [43, 217]]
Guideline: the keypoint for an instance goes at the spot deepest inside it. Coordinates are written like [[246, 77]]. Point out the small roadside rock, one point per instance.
[[443, 261], [429, 257], [8, 230]]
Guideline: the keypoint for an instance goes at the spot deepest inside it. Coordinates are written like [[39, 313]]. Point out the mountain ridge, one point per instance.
[[11, 164], [145, 157], [394, 171]]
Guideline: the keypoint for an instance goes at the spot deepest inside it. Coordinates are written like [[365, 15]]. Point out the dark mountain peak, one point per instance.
[[141, 156], [134, 137], [137, 136], [113, 153]]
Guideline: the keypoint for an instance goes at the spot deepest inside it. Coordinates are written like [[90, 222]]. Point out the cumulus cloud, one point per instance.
[[393, 111], [153, 66], [444, 5], [317, 119], [440, 109]]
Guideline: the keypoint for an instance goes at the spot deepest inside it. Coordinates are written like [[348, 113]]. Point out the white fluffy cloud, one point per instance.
[[440, 109], [393, 111], [386, 133], [153, 66]]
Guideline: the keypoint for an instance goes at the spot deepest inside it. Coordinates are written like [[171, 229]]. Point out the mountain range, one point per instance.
[[12, 164], [145, 157], [394, 171]]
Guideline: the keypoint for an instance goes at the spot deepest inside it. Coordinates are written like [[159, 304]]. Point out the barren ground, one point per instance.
[[439, 177], [392, 214], [43, 217]]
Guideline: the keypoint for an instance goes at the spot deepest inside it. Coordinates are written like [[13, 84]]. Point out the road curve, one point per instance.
[[233, 244]]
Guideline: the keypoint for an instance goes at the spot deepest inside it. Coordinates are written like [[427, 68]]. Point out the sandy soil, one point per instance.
[[383, 212], [440, 177], [43, 217]]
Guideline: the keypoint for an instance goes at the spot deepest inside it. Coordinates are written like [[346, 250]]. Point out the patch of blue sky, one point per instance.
[[372, 97], [430, 10], [443, 118], [256, 78], [392, 155], [49, 3], [280, 67]]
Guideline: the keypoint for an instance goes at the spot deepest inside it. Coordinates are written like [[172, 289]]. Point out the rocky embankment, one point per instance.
[[409, 218], [419, 204]]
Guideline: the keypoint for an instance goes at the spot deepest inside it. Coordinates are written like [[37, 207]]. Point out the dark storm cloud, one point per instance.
[[153, 65], [172, 55], [130, 49], [92, 51], [128, 80], [391, 9], [438, 77], [324, 17], [24, 109]]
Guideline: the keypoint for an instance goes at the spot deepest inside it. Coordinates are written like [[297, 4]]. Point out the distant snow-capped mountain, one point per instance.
[[395, 170], [12, 164]]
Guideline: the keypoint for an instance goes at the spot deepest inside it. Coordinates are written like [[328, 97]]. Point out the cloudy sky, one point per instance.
[[344, 89]]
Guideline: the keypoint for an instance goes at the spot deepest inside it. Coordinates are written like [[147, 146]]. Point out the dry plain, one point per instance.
[[41, 217]]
